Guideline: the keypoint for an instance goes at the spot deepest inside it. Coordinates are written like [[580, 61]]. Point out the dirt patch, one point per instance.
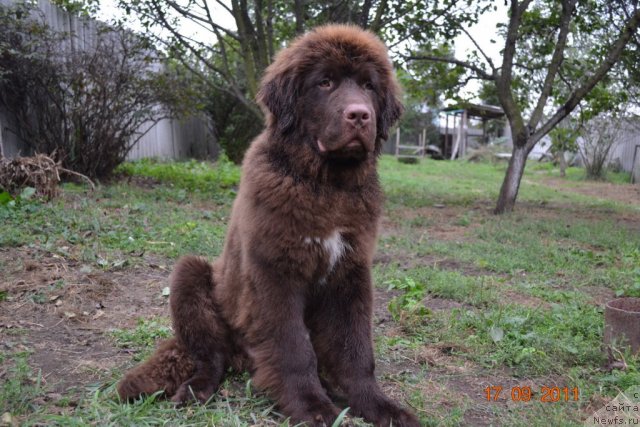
[[381, 299], [513, 297], [439, 222], [436, 304], [62, 311], [599, 295]]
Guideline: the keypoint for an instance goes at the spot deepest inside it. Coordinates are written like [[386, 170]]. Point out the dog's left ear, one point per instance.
[[277, 95], [391, 111]]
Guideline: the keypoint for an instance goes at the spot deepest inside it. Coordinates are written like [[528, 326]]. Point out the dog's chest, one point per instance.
[[332, 249]]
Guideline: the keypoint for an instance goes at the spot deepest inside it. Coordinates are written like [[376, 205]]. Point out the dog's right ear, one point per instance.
[[277, 97]]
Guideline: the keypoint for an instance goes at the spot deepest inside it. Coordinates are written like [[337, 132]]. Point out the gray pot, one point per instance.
[[622, 323]]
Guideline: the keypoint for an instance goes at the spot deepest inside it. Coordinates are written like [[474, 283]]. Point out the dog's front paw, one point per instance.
[[383, 412], [197, 388], [396, 416], [318, 414]]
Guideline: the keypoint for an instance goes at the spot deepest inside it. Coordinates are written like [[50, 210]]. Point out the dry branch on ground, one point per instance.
[[39, 171]]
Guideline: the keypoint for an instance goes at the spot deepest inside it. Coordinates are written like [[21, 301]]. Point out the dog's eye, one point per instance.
[[325, 83], [368, 86]]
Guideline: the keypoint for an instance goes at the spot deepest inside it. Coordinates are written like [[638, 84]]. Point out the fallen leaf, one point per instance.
[[496, 334], [8, 420]]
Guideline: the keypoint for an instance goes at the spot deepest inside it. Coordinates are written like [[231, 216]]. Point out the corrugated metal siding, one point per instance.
[[11, 144], [624, 148], [176, 139]]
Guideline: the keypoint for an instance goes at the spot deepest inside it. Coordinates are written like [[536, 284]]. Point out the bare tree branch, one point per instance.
[[486, 57], [197, 18], [270, 29], [564, 80], [364, 14], [482, 74], [237, 92], [299, 12], [503, 84], [580, 92], [510, 42], [224, 5], [260, 37], [529, 67], [556, 60], [380, 11]]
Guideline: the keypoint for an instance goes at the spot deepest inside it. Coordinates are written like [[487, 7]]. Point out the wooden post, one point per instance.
[[446, 137], [424, 141], [456, 146], [465, 130], [485, 140], [635, 174], [398, 141]]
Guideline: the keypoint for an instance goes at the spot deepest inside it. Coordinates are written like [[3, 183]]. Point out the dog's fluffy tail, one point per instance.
[[164, 371]]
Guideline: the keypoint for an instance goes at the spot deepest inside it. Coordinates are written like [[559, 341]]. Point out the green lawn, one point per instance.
[[467, 300]]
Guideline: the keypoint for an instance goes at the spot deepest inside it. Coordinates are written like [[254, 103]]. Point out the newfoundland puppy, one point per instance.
[[290, 298]]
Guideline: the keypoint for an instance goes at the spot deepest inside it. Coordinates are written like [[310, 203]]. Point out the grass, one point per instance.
[[462, 184], [22, 383], [192, 175], [472, 297], [118, 220], [576, 174], [144, 337]]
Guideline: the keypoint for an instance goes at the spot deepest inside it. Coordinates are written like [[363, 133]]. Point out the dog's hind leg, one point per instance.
[[198, 328]]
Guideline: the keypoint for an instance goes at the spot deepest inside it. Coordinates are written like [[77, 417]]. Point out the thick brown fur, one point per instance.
[[291, 294], [165, 371]]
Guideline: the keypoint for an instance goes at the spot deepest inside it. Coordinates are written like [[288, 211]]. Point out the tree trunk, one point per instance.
[[511, 183], [563, 163], [299, 12], [1, 143]]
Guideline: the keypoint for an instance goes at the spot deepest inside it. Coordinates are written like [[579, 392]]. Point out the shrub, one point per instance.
[[85, 105]]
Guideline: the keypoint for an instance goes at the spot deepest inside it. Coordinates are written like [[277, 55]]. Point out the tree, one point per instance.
[[536, 61], [258, 28], [599, 135], [564, 138], [418, 117], [242, 37]]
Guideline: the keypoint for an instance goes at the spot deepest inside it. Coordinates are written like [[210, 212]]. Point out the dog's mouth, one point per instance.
[[351, 147], [354, 144]]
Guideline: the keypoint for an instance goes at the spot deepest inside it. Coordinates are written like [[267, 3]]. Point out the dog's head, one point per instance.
[[334, 87]]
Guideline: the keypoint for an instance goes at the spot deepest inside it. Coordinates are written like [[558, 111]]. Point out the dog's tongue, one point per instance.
[[321, 147]]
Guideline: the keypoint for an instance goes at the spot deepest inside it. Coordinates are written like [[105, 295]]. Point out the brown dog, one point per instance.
[[291, 295]]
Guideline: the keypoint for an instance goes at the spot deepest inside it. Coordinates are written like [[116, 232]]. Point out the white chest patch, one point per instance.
[[334, 246]]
